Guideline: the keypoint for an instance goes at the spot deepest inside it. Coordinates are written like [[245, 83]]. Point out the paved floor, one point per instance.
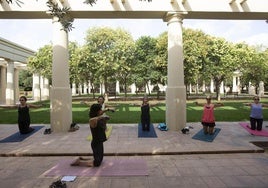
[[173, 159]]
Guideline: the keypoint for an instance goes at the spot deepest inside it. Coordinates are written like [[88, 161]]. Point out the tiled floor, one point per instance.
[[173, 159]]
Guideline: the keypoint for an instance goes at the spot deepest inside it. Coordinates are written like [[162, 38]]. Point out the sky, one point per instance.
[[34, 34]]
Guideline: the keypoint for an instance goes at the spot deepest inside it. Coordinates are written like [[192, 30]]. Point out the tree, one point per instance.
[[219, 63], [111, 50], [42, 62], [195, 49], [25, 78], [124, 57], [145, 56], [160, 62], [255, 69]]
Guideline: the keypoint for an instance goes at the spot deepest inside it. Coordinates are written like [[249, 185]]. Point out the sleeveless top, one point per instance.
[[208, 114], [98, 133], [256, 111], [145, 111], [23, 114]]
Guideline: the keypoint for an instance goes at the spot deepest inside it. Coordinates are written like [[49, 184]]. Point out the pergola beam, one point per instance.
[[135, 9]]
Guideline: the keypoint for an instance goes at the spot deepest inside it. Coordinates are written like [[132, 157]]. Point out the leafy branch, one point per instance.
[[18, 2], [62, 14]]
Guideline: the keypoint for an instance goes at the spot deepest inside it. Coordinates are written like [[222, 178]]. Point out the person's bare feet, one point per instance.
[[76, 162], [85, 158]]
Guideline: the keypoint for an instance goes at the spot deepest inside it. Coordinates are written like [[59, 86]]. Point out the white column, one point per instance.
[[117, 87], [89, 87], [102, 89], [222, 88], [211, 85], [36, 87], [16, 84], [175, 91], [133, 88], [73, 89], [85, 88], [45, 92], [61, 96], [190, 88], [3, 85], [238, 87], [204, 87], [80, 89], [10, 93], [234, 84]]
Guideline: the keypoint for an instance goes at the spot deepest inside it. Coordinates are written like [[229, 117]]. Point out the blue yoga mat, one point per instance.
[[17, 137], [206, 137], [146, 134]]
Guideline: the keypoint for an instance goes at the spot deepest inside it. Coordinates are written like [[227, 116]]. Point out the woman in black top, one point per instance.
[[24, 119], [97, 124], [145, 115]]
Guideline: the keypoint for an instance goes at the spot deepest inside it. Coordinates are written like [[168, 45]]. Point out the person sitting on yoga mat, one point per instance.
[[256, 116], [145, 114], [97, 123], [208, 118], [24, 119]]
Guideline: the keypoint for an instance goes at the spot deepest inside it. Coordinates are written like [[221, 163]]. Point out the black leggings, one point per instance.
[[253, 122], [98, 150]]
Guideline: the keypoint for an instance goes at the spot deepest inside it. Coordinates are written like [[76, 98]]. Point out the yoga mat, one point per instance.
[[17, 137], [146, 134], [206, 137], [107, 132], [253, 132], [111, 167]]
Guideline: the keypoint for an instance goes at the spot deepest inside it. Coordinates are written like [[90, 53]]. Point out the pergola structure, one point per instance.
[[171, 11], [13, 58]]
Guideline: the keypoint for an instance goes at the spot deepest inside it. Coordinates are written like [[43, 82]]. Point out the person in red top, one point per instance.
[[208, 118]]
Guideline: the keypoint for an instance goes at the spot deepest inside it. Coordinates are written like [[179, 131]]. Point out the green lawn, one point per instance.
[[126, 112]]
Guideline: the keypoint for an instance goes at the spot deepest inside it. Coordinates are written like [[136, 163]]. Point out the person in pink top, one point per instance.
[[208, 118]]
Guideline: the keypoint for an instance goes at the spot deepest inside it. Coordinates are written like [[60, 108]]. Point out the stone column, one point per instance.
[[3, 85], [211, 86], [117, 87], [73, 89], [36, 87], [10, 93], [133, 88], [176, 90], [234, 84], [204, 87], [61, 96], [222, 88], [45, 92], [16, 84]]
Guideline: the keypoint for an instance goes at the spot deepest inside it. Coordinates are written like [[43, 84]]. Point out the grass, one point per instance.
[[129, 112]]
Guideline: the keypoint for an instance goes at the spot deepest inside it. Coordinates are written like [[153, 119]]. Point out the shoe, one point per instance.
[[58, 184], [47, 131]]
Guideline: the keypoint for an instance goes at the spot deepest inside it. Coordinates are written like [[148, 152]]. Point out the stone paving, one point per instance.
[[173, 159]]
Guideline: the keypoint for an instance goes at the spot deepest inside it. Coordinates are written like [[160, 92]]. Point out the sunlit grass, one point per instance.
[[129, 112]]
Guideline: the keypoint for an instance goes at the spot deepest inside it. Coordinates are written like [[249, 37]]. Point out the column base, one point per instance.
[[176, 107], [60, 109]]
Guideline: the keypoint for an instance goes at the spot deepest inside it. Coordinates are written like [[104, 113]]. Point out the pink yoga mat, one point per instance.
[[115, 167], [254, 132]]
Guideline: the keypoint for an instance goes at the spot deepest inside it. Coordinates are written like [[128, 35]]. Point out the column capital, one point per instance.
[[174, 17]]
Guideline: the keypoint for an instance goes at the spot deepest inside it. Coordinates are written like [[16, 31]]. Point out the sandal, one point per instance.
[[58, 184]]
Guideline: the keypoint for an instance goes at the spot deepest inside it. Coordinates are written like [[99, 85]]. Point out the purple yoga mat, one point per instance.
[[115, 167], [254, 132]]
